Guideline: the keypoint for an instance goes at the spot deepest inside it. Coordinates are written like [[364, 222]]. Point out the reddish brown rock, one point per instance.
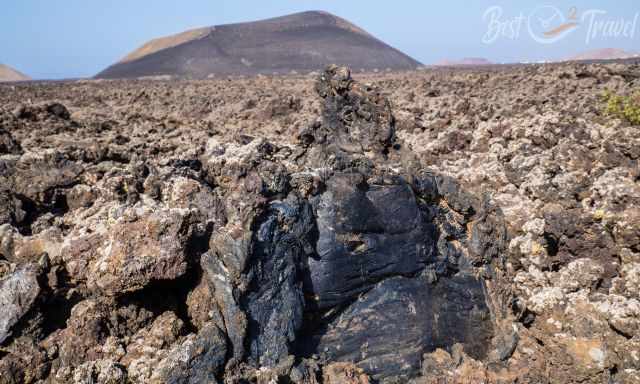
[[344, 373]]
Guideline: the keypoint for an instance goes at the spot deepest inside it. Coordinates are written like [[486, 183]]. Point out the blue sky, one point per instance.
[[78, 38]]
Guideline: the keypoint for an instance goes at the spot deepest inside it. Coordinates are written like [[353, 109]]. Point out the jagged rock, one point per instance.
[[58, 110], [366, 232], [333, 248], [40, 180], [20, 249], [11, 209], [197, 359], [26, 361], [80, 196], [356, 118], [455, 366], [201, 306], [100, 372], [274, 301], [21, 112], [388, 329], [8, 144], [18, 292], [344, 373], [41, 111], [86, 331], [164, 220], [131, 249], [235, 320]]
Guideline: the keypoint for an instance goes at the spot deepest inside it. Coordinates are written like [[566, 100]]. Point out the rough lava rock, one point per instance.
[[459, 225], [363, 246], [356, 117], [8, 145], [18, 292]]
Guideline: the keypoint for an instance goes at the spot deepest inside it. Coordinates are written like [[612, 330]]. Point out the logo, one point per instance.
[[547, 24]]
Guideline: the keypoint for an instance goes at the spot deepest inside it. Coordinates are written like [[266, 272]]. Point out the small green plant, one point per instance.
[[623, 107]]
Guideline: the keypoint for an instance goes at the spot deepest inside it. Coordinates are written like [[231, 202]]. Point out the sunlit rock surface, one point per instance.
[[479, 225]]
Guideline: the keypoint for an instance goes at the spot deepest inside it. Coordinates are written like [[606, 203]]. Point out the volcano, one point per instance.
[[8, 74], [603, 54], [297, 43]]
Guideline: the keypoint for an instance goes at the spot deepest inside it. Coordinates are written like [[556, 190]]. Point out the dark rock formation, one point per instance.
[[58, 110], [357, 118], [199, 360], [361, 259], [389, 328], [274, 302], [366, 233]]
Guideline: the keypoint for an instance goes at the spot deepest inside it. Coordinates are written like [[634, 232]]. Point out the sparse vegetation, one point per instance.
[[623, 107]]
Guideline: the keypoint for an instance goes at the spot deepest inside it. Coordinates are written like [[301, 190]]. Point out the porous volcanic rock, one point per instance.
[[8, 145], [461, 225], [18, 292], [363, 244]]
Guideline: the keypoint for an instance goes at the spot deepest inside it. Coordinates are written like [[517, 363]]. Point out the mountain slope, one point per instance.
[[603, 54], [9, 74], [301, 42], [161, 43]]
